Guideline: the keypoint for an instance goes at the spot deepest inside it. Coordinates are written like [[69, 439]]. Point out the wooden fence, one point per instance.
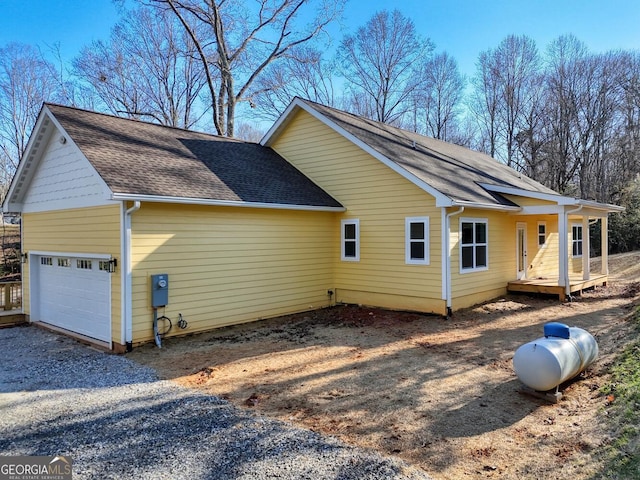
[[10, 295]]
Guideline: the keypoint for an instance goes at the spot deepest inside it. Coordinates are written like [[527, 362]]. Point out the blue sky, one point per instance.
[[463, 28]]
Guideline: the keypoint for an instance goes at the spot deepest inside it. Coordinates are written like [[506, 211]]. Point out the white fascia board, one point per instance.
[[607, 207], [105, 187], [48, 253], [560, 200], [541, 210], [46, 119], [281, 122], [551, 197], [441, 199], [486, 206], [10, 205], [221, 203]]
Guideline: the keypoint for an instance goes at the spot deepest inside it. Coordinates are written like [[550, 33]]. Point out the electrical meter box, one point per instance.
[[159, 290]]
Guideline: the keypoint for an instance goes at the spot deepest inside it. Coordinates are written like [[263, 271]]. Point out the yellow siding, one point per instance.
[[381, 200], [470, 288], [83, 230], [543, 260], [230, 265]]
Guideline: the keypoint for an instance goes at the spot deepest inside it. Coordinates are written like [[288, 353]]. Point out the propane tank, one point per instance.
[[559, 356]]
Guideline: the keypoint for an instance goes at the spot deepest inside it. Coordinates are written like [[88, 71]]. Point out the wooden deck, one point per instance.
[[551, 285]]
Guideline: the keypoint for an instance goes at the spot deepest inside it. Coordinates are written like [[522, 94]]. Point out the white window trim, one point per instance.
[[350, 221], [472, 220], [542, 245], [574, 241], [407, 242]]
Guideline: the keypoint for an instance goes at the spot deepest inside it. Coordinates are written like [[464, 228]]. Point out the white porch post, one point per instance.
[[586, 248], [604, 245], [563, 249]]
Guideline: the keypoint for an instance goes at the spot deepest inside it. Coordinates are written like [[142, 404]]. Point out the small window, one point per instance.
[[417, 240], [46, 261], [104, 265], [84, 264], [474, 251], [350, 240], [64, 262], [576, 240], [542, 234]]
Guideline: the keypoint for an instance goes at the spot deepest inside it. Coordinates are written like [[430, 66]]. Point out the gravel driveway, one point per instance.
[[115, 419]]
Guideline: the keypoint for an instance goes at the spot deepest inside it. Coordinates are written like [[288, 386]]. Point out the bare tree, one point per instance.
[[530, 139], [380, 64], [484, 104], [302, 73], [25, 82], [147, 70], [505, 77], [439, 95], [563, 57], [236, 41]]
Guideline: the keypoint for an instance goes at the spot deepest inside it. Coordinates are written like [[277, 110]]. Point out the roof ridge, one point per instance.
[[384, 125], [143, 122], [386, 139]]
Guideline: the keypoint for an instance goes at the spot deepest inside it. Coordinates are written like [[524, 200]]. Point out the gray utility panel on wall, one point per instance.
[[159, 290]]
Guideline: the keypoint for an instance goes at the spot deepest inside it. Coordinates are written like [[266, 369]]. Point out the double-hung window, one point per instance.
[[474, 246], [417, 240], [576, 240], [350, 240], [542, 234]]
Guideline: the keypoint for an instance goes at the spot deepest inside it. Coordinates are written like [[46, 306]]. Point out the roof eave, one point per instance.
[[561, 200], [9, 205], [600, 206], [486, 206], [222, 203]]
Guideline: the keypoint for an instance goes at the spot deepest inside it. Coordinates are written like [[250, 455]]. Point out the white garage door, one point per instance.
[[73, 293]]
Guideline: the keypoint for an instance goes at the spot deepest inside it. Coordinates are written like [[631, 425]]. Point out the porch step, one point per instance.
[[11, 319]]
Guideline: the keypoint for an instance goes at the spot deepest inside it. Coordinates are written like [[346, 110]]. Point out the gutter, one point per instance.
[[483, 206], [222, 203], [127, 320], [446, 254]]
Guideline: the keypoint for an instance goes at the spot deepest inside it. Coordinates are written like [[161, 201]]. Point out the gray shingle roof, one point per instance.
[[140, 158], [454, 171]]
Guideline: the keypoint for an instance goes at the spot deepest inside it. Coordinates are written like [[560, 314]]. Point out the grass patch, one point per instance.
[[623, 395]]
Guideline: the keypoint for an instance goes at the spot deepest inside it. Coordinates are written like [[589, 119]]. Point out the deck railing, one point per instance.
[[10, 295]]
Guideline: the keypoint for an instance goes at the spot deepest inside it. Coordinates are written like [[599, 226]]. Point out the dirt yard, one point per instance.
[[440, 394]]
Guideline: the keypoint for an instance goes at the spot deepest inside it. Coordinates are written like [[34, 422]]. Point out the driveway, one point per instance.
[[115, 419]]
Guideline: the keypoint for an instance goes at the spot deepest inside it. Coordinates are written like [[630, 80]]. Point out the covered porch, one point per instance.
[[573, 272], [552, 286]]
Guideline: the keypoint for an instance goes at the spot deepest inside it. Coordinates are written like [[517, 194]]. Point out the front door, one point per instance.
[[521, 246]]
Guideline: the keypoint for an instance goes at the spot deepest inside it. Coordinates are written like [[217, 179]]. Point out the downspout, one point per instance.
[[127, 317], [567, 284], [447, 255]]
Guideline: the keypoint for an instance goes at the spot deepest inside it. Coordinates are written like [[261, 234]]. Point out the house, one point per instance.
[[328, 208]]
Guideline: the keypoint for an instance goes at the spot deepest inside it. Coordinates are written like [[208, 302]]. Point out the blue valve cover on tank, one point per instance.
[[556, 329]]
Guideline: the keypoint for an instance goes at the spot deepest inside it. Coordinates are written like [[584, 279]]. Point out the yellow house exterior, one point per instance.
[[126, 224]]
